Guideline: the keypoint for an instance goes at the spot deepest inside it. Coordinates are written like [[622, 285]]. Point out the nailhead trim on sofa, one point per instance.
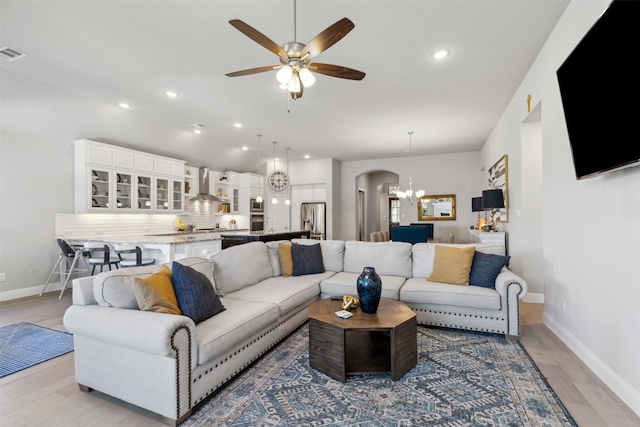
[[246, 347], [178, 366]]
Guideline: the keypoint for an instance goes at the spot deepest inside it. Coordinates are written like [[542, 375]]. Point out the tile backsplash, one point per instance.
[[90, 225]]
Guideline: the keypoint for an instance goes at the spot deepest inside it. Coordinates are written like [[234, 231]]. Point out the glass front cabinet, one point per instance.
[[107, 179]]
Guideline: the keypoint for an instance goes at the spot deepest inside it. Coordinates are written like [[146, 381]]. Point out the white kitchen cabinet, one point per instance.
[[144, 192], [96, 189], [98, 155], [115, 179], [144, 163], [124, 190], [123, 159], [204, 249]]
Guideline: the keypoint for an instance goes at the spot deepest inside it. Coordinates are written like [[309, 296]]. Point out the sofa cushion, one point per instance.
[[115, 288], [155, 292], [241, 320], [274, 255], [388, 258], [418, 290], [286, 259], [485, 268], [307, 259], [345, 283], [423, 254], [286, 292], [452, 265], [239, 266], [332, 252], [196, 296]]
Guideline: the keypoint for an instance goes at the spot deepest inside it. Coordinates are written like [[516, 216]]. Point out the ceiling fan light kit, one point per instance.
[[295, 73]]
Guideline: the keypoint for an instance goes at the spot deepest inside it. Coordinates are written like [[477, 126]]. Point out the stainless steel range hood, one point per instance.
[[204, 195]]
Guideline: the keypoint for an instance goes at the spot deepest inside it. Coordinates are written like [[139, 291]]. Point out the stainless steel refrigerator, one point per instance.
[[313, 218]]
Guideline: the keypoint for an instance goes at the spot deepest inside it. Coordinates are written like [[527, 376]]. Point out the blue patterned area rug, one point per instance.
[[461, 379], [23, 345]]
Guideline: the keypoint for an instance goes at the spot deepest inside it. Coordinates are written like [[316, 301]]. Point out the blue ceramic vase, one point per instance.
[[369, 290]]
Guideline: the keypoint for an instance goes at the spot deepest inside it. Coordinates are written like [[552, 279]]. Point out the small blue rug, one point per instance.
[[23, 345]]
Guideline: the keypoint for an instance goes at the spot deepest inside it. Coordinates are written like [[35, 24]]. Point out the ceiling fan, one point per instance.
[[295, 71]]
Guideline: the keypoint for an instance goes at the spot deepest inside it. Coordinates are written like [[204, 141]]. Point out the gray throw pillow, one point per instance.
[[307, 259], [485, 268], [195, 294]]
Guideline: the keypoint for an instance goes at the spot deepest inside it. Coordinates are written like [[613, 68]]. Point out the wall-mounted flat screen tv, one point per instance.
[[600, 90]]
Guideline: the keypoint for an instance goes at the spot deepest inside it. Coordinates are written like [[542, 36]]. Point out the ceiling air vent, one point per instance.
[[10, 54]]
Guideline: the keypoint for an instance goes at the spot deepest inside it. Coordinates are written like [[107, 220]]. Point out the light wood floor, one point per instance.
[[47, 395]]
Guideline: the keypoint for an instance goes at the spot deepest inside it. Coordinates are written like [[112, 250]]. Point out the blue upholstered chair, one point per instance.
[[409, 233]]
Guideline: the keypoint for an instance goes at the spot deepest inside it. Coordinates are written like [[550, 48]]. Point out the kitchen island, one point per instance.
[[167, 247], [240, 237]]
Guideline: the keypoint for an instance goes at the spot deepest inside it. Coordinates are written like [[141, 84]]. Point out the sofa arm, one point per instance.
[[507, 282], [145, 331], [512, 288]]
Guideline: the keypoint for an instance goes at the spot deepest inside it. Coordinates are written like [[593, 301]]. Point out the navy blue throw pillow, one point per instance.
[[485, 268], [195, 294], [307, 259]]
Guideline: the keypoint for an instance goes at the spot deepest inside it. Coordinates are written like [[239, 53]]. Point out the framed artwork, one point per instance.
[[499, 178]]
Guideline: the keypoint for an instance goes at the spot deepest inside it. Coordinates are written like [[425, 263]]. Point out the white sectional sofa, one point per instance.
[[167, 364]]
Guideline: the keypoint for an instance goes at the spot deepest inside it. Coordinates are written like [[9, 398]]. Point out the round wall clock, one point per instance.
[[278, 180]]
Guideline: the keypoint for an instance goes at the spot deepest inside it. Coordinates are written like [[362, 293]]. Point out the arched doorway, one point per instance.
[[373, 202]]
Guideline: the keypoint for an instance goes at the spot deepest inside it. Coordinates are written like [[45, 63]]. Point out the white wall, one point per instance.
[[590, 229], [36, 183]]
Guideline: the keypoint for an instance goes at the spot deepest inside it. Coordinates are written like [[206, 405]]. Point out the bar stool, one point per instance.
[[72, 256], [100, 255], [127, 260]]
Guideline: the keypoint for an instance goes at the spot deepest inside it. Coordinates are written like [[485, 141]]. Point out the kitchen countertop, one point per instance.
[[172, 238]]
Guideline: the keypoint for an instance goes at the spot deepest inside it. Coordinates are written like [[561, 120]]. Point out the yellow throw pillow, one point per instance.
[[286, 260], [452, 265], [155, 292]]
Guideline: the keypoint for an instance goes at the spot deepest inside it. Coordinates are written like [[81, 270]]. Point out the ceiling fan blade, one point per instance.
[[327, 38], [336, 71], [253, 70], [258, 37]]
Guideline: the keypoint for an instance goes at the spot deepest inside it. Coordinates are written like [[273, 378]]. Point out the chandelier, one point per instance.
[[408, 196]]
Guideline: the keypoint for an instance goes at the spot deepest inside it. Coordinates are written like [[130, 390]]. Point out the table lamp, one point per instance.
[[492, 200], [476, 206]]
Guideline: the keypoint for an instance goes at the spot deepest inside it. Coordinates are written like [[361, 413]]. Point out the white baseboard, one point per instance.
[[618, 385], [534, 298], [33, 290]]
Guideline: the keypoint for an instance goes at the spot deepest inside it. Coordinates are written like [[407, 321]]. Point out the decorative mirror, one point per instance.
[[437, 207]]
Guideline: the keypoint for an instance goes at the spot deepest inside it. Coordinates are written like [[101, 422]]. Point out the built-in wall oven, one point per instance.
[[256, 206], [256, 222]]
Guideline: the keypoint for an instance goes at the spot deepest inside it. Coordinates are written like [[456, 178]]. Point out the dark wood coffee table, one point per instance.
[[384, 342]]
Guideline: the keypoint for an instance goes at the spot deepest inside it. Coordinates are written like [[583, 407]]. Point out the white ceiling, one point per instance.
[[97, 53]]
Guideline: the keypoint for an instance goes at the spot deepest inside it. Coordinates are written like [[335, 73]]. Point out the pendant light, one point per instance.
[[259, 198], [274, 200], [408, 196], [288, 201]]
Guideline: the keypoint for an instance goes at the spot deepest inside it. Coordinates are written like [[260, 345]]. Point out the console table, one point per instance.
[[489, 237]]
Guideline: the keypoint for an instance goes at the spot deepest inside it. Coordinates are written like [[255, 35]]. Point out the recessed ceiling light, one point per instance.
[[306, 156], [439, 54], [238, 124], [171, 94], [124, 105], [245, 148], [197, 128]]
